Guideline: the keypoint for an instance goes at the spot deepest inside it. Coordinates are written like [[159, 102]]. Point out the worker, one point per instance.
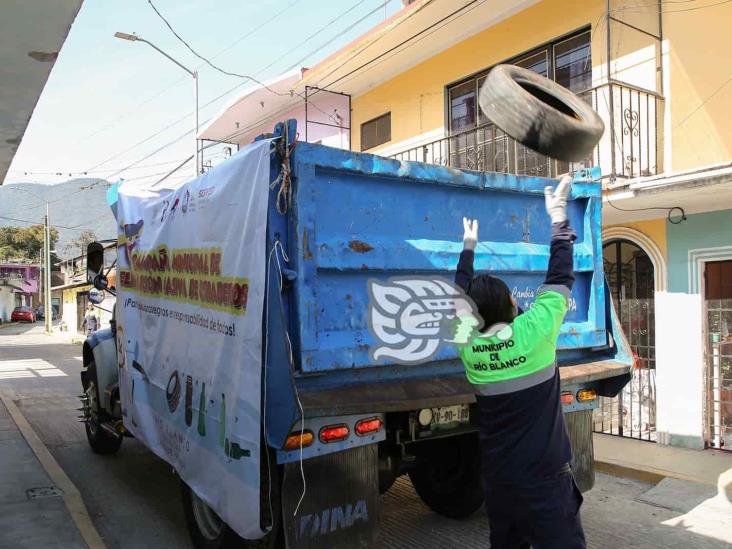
[[91, 322], [531, 496]]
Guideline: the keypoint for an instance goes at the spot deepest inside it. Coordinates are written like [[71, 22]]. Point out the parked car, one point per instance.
[[40, 315], [23, 314]]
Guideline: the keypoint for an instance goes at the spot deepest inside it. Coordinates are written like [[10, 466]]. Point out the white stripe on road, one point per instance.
[[32, 367]]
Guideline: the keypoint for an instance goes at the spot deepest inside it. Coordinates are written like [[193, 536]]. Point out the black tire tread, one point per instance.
[[466, 494], [100, 442], [552, 120]]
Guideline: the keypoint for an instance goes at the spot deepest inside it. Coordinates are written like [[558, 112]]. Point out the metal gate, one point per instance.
[[630, 277], [633, 412], [718, 374]]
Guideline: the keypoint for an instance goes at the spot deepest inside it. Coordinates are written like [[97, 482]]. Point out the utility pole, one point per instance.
[[40, 275], [47, 311]]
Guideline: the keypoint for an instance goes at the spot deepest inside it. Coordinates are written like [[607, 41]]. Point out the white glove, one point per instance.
[[470, 237], [556, 201]]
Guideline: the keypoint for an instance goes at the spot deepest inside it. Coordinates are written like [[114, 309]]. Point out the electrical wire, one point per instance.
[[390, 50], [653, 9], [303, 42], [669, 209], [229, 73], [94, 169], [409, 43], [35, 222], [341, 33], [251, 31]]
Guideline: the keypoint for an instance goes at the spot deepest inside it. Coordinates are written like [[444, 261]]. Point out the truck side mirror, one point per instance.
[[96, 296], [95, 266]]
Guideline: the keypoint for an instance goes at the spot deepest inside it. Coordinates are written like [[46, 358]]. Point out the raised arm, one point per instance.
[[547, 313], [561, 269], [464, 273]]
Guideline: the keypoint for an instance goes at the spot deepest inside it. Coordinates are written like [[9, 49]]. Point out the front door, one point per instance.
[[718, 378], [82, 300]]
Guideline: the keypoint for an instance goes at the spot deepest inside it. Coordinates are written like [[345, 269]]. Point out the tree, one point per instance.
[[23, 243], [79, 243]]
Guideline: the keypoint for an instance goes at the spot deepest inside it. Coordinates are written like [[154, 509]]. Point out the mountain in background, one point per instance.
[[75, 206]]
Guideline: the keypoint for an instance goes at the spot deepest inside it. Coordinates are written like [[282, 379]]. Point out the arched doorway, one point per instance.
[[630, 274]]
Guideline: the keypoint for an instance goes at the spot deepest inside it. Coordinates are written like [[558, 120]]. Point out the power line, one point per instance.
[[344, 31], [204, 59], [35, 222], [303, 42], [163, 130], [446, 20], [229, 73], [247, 34], [639, 9], [368, 45]]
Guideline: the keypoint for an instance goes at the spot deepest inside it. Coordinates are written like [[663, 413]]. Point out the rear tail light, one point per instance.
[[333, 433], [586, 395], [567, 397], [299, 440], [368, 426]]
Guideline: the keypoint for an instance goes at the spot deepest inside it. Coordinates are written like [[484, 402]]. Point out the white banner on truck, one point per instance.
[[191, 282]]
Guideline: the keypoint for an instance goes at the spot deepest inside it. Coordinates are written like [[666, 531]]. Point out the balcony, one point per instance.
[[629, 148]]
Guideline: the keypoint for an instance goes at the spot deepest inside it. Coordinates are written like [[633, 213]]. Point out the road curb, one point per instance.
[[644, 475], [72, 497]]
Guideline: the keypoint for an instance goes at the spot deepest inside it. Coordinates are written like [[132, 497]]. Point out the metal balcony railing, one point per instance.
[[629, 148]]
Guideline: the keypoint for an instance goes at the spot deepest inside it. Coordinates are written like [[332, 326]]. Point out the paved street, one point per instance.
[[134, 501]]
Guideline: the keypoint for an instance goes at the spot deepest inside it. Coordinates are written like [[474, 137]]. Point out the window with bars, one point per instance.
[[376, 132], [566, 61]]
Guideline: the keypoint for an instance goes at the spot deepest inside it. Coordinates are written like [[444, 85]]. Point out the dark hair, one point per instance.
[[493, 299]]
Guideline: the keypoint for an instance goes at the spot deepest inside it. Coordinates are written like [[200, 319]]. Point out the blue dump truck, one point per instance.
[[340, 426]]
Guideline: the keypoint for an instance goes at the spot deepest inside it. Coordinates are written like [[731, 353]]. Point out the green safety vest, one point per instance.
[[511, 357]]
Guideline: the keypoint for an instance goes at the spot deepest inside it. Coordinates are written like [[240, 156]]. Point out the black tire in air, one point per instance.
[[540, 114]]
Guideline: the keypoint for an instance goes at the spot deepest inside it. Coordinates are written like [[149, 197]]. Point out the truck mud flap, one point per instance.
[[340, 508], [579, 428]]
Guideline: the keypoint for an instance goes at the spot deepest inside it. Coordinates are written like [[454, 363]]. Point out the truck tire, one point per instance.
[[208, 531], [99, 440], [446, 476], [540, 113]]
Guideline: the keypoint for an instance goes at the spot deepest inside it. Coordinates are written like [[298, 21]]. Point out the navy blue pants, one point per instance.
[[540, 515]]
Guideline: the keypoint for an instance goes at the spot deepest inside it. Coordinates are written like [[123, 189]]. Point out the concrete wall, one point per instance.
[[7, 303], [699, 127], [701, 236], [679, 370]]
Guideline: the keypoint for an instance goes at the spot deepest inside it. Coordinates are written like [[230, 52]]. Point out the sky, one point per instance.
[[105, 96]]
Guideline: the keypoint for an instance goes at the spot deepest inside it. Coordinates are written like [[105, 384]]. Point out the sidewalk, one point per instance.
[[653, 462], [32, 509]]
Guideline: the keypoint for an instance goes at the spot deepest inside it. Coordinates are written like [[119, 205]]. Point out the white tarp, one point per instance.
[[191, 264]]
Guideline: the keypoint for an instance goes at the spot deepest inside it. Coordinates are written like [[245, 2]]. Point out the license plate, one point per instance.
[[459, 413]]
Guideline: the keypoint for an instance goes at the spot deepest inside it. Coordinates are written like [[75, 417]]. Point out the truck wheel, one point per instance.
[[540, 113], [99, 440], [209, 531], [446, 476]]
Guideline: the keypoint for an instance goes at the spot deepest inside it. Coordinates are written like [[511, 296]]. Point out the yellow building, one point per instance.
[[656, 74]]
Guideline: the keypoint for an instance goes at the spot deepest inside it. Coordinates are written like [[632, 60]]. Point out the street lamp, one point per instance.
[[46, 256], [193, 73]]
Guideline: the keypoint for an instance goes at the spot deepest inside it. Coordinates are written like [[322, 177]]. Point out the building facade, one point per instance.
[[654, 72], [19, 285], [74, 292]]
